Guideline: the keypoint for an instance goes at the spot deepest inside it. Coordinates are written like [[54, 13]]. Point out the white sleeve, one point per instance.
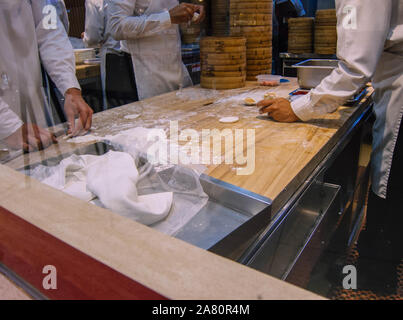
[[55, 50], [125, 26], [358, 48], [9, 121], [94, 23]]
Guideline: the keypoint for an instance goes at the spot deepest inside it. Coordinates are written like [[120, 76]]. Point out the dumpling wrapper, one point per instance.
[[229, 119]]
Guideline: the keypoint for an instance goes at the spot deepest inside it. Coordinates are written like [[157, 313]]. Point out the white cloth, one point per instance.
[[24, 41], [112, 178], [153, 42], [371, 51]]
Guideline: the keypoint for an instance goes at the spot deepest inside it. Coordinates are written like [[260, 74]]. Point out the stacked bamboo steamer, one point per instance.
[[326, 32], [253, 20], [300, 35], [223, 62], [219, 17]]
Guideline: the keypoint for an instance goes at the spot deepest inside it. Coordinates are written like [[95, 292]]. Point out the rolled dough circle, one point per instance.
[[229, 119], [132, 116]]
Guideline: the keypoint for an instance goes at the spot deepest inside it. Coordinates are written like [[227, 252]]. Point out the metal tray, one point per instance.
[[311, 72], [283, 246], [231, 218]]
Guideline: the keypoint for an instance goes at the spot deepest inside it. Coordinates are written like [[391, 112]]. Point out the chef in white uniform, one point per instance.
[[370, 47], [31, 31], [98, 35], [150, 28]]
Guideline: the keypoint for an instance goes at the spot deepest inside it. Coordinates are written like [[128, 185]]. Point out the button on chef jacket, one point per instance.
[[153, 42], [370, 48], [26, 39]]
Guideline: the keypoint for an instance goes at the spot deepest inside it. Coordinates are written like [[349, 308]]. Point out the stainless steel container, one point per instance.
[[311, 72]]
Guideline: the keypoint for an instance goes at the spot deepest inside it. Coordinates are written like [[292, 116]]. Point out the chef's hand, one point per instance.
[[202, 13], [278, 109], [30, 137], [74, 105], [184, 13]]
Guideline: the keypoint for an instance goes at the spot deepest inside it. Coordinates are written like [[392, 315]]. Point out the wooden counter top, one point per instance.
[[9, 291], [285, 153], [169, 266]]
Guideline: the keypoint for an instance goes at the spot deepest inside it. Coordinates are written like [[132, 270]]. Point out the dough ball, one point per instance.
[[132, 116]]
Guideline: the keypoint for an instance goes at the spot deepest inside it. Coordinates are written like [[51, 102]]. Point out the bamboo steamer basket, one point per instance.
[[253, 20], [220, 17], [325, 40], [223, 62], [300, 35]]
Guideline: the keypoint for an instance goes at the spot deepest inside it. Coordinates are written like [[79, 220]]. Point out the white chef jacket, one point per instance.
[[153, 42], [373, 50], [62, 13], [24, 42], [97, 34]]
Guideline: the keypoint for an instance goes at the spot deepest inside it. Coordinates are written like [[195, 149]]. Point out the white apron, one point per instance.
[[157, 59], [388, 98]]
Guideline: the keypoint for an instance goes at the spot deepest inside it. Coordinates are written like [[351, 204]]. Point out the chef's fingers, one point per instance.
[[34, 133], [71, 121], [266, 109], [265, 103], [88, 123], [85, 116], [49, 135], [46, 138], [25, 147], [202, 14], [24, 136], [34, 143], [190, 9]]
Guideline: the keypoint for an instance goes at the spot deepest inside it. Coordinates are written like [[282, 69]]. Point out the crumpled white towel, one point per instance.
[[70, 176], [112, 178]]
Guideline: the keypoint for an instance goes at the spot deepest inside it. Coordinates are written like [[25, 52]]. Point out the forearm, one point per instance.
[[55, 51], [359, 49]]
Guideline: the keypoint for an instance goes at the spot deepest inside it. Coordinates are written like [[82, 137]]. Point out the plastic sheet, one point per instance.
[[188, 195]]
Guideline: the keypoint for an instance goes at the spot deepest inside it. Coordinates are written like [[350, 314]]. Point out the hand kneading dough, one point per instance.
[[113, 180], [229, 119]]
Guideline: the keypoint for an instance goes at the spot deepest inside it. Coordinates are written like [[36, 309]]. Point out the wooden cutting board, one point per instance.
[[282, 150]]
